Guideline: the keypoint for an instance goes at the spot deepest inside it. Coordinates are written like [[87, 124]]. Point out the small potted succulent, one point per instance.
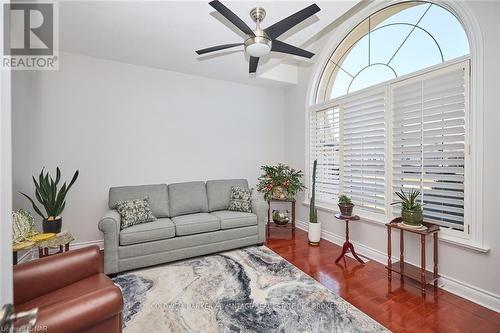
[[411, 209], [51, 198], [345, 205], [314, 232]]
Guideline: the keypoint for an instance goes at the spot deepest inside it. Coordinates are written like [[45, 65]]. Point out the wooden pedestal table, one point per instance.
[[347, 244], [270, 223], [419, 274]]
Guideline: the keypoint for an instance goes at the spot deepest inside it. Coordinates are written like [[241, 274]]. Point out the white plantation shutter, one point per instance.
[[324, 146], [429, 141], [363, 168]]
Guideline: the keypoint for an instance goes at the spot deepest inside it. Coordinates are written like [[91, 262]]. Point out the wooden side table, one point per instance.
[[419, 274], [272, 225], [347, 247], [61, 241]]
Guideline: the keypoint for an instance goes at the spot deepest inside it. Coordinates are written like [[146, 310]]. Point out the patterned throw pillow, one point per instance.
[[241, 199], [134, 212]]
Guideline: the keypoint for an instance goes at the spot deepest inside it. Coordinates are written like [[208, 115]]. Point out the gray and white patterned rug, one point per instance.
[[245, 290]]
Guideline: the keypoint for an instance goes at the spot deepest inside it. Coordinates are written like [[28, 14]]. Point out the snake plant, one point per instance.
[[49, 195]]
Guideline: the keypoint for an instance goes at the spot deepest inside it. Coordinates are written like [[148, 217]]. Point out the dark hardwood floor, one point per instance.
[[398, 306]]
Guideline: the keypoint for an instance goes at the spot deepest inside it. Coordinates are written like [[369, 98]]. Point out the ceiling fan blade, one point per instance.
[[254, 61], [232, 17], [277, 29], [279, 46], [217, 48]]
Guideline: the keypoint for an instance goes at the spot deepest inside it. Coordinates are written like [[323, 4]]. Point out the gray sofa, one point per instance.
[[192, 220]]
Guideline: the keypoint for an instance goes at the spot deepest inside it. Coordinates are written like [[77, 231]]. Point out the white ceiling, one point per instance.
[[165, 35]]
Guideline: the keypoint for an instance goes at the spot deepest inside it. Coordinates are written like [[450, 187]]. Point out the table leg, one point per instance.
[[345, 247], [351, 247], [293, 219], [401, 254], [435, 259], [14, 257], [422, 272], [389, 254]]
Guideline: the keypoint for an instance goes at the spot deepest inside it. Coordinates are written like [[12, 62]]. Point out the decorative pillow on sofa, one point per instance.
[[134, 212], [241, 199]]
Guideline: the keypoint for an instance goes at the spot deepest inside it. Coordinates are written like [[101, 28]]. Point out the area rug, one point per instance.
[[246, 290]]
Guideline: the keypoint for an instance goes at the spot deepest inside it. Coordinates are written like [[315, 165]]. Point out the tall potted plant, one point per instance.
[[51, 198], [314, 233], [411, 209]]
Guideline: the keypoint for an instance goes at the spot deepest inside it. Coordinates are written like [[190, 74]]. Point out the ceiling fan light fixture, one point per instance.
[[258, 46]]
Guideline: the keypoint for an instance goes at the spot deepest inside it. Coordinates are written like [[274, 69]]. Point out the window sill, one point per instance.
[[364, 217], [443, 237], [463, 243]]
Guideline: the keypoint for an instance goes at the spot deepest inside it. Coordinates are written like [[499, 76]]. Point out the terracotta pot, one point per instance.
[[314, 233], [346, 210], [53, 226]]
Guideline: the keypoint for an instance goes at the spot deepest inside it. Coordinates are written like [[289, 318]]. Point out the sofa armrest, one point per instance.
[[110, 227], [260, 207], [82, 313], [38, 277]]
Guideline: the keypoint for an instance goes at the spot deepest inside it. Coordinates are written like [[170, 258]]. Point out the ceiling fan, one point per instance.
[[259, 42]]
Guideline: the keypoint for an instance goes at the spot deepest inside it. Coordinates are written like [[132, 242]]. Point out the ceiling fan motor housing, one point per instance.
[[260, 44]]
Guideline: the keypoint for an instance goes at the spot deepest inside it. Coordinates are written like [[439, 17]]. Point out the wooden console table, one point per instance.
[[270, 222], [419, 274], [347, 244]]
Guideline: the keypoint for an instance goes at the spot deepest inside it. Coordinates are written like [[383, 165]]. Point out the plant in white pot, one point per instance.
[[314, 225], [52, 198]]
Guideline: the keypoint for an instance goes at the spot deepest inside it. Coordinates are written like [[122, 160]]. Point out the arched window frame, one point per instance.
[[473, 237]]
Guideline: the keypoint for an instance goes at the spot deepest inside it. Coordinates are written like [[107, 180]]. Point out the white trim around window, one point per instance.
[[382, 96], [474, 240]]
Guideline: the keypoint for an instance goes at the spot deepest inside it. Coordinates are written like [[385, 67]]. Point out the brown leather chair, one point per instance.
[[71, 292]]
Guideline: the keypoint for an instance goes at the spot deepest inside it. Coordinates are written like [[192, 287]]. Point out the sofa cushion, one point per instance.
[[195, 223], [147, 232], [241, 200], [230, 219], [133, 212], [219, 192], [157, 195], [187, 198]]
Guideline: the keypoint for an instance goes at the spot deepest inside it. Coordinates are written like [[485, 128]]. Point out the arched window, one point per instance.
[[391, 113], [395, 41]]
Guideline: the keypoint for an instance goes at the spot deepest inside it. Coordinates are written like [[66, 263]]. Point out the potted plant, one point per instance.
[[411, 209], [345, 205], [314, 233], [280, 182], [51, 198]]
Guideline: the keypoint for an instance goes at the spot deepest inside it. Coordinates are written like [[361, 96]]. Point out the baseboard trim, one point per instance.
[[74, 246], [462, 289]]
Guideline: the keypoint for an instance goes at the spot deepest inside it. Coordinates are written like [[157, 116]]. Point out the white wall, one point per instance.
[[121, 124], [5, 187], [472, 274]]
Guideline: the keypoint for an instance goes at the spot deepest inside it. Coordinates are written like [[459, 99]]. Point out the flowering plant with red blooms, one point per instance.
[[280, 177]]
